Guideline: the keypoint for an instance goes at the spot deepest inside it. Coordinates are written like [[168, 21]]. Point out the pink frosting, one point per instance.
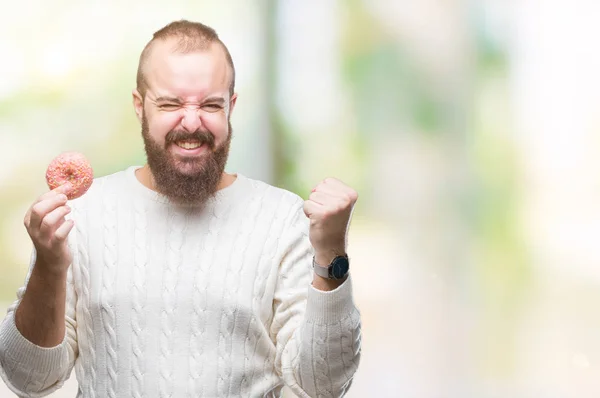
[[70, 167]]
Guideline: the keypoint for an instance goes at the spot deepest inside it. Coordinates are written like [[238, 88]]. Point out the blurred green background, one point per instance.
[[469, 128]]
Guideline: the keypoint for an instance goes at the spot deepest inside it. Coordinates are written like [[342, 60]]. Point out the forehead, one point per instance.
[[192, 75]]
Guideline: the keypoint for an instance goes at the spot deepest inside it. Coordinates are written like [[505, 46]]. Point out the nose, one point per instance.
[[191, 121]]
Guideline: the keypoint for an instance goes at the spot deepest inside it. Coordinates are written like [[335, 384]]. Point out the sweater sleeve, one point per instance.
[[28, 369], [317, 334]]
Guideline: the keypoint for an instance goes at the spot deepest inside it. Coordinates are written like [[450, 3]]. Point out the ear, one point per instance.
[[232, 102], [138, 104]]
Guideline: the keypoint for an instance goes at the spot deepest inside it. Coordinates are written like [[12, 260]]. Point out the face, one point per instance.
[[185, 118]]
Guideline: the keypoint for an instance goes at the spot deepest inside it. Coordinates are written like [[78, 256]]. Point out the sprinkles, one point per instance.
[[70, 167]]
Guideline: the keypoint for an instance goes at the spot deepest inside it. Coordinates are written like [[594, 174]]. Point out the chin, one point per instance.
[[189, 165], [189, 170]]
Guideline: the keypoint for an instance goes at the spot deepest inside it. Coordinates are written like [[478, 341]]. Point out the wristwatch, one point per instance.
[[337, 269]]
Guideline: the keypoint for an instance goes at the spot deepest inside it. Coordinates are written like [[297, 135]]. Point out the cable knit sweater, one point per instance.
[[166, 301]]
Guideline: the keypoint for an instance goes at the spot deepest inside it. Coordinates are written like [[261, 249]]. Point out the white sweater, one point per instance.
[[173, 302]]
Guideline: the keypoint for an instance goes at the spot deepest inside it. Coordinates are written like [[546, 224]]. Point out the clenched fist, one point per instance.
[[329, 208]]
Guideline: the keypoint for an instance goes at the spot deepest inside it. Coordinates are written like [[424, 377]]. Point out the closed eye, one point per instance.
[[168, 107], [212, 107]]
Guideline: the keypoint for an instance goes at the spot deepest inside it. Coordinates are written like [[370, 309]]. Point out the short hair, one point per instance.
[[192, 36]]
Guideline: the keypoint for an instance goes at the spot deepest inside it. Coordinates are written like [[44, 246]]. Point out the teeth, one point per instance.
[[188, 145]]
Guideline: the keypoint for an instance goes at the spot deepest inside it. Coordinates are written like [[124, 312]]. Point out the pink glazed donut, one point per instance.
[[70, 167]]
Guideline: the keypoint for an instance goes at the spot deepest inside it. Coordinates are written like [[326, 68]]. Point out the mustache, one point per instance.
[[204, 137]]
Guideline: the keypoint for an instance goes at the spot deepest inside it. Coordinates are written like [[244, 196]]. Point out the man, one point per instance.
[[176, 278]]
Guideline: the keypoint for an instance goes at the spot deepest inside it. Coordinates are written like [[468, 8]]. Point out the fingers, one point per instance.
[[310, 207], [61, 189], [53, 220], [333, 197], [47, 227], [42, 208], [64, 188], [337, 189], [62, 232], [320, 197]]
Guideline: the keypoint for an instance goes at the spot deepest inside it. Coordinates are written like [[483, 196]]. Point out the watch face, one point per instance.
[[339, 267]]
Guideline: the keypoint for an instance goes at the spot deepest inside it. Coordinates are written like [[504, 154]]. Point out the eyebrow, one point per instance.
[[178, 100], [168, 99], [219, 100]]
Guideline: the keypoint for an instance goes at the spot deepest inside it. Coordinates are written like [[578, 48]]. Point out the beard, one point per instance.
[[186, 181]]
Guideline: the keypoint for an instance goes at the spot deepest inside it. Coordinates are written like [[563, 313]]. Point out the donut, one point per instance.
[[70, 167]]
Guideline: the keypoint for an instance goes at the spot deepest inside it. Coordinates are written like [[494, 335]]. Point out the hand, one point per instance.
[[329, 208], [45, 222]]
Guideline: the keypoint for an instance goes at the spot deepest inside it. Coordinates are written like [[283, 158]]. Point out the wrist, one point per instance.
[[330, 269], [49, 273], [325, 284], [324, 257]]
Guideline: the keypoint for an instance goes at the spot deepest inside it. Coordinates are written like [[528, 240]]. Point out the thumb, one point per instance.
[[64, 188]]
